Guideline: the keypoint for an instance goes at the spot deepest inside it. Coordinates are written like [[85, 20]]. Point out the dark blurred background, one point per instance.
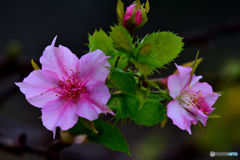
[[212, 27]]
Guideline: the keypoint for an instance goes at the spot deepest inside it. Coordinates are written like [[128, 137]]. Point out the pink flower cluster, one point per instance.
[[192, 100], [68, 87]]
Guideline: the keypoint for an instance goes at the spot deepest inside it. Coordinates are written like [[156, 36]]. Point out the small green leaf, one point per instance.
[[213, 116], [109, 136], [35, 66], [163, 123], [123, 81], [120, 12], [147, 7], [195, 64], [100, 40], [142, 95], [122, 40], [88, 124]]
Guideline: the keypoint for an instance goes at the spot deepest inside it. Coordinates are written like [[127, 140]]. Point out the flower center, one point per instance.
[[189, 99], [71, 88]]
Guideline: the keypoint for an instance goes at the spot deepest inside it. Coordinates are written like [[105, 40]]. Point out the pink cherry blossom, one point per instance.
[[192, 100], [129, 12], [68, 87]]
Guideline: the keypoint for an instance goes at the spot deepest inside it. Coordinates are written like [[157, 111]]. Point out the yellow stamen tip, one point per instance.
[[190, 87]]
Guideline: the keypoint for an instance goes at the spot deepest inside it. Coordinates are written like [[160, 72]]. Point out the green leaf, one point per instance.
[[35, 66], [143, 68], [100, 40], [195, 64], [213, 116], [109, 136], [89, 124], [120, 12], [122, 63], [123, 81], [122, 40], [158, 49], [147, 7], [151, 113], [220, 93], [156, 97], [142, 95]]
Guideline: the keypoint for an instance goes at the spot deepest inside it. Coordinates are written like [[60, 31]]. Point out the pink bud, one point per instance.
[[129, 12]]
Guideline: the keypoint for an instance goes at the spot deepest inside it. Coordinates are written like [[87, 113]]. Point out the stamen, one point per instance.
[[70, 88]]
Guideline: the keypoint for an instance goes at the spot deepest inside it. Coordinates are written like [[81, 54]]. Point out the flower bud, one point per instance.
[[129, 12], [134, 17]]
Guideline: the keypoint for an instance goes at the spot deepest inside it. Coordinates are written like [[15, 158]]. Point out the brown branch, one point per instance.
[[18, 147]]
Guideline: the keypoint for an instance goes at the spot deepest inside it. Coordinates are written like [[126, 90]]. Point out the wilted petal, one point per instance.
[[92, 68], [59, 60], [38, 86], [59, 113], [180, 117]]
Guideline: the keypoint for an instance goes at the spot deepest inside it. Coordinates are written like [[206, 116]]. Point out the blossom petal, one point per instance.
[[129, 12], [207, 92], [38, 86], [180, 117], [99, 92], [92, 67], [59, 60], [200, 116], [195, 79], [177, 82], [89, 109], [59, 113]]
